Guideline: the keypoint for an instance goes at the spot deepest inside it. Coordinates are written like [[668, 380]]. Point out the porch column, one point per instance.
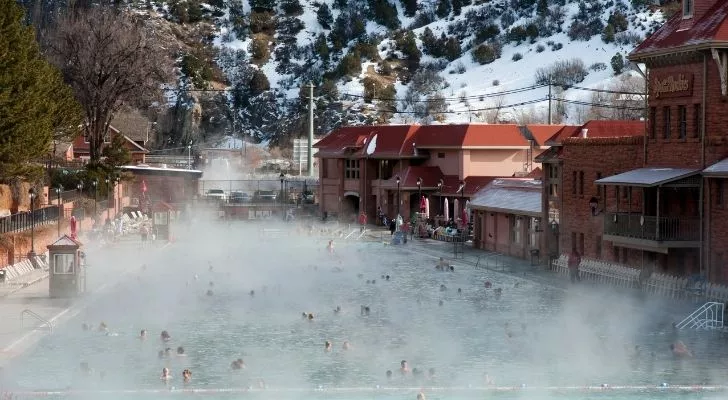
[[657, 222]]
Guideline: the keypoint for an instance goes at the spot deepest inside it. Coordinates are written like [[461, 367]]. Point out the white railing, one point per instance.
[[43, 321], [664, 285], [708, 316]]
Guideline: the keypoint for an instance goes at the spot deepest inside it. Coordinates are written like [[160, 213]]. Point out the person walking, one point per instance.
[[574, 261]]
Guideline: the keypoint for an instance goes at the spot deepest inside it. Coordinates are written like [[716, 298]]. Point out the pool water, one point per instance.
[[531, 334]]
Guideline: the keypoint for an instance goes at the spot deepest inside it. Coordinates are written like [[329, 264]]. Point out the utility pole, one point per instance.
[[549, 100], [309, 161]]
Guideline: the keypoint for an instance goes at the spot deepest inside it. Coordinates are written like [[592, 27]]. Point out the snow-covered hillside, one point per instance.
[[423, 61]]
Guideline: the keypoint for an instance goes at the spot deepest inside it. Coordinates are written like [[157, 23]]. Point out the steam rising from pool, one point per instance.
[[532, 334]]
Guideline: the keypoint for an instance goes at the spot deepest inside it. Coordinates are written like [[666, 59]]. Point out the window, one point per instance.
[[63, 264], [687, 8], [553, 171], [351, 169], [573, 241], [581, 183], [554, 190], [573, 182], [719, 192], [516, 229], [697, 120], [440, 155], [581, 244], [682, 114], [598, 245], [667, 120], [653, 122], [532, 229]]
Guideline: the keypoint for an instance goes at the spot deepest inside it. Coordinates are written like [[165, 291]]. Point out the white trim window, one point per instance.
[[688, 8], [63, 264]]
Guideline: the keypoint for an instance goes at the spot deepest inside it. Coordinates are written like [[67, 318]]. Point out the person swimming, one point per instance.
[[389, 374], [238, 364], [85, 327], [186, 376], [337, 309], [143, 334], [310, 316], [680, 350], [209, 292], [85, 368], [166, 375], [103, 327], [346, 345], [386, 277], [165, 336], [327, 346], [431, 374], [160, 354], [488, 284], [403, 367], [440, 303], [252, 293], [421, 396], [443, 288], [460, 290], [181, 351]]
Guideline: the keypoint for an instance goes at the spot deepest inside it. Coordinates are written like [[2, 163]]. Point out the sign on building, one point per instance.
[[300, 153]]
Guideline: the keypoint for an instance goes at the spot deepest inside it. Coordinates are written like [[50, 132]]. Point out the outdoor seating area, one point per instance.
[[24, 273]]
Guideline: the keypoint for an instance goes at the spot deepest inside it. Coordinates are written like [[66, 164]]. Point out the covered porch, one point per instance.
[[652, 209]]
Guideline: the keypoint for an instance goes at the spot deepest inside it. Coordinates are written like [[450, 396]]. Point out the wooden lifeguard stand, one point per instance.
[[163, 214], [67, 273]]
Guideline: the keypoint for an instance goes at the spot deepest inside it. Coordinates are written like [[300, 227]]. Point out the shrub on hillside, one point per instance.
[[540, 48], [517, 56], [487, 32], [617, 64], [262, 22], [486, 53], [407, 44], [385, 13], [291, 7], [258, 49], [259, 83], [324, 16], [350, 64], [563, 73]]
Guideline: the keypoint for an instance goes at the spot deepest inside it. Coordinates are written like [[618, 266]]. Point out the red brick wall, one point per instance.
[[716, 216], [608, 156]]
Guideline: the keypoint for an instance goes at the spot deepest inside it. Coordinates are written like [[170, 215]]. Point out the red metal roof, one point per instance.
[[392, 141], [472, 184], [542, 133], [678, 32], [563, 133], [469, 135], [339, 141], [408, 180], [607, 128]]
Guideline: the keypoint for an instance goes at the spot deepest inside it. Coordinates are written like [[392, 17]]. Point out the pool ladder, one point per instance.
[[708, 316], [44, 322]]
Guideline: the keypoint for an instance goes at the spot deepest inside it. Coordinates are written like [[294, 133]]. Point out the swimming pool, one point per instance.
[[532, 334]]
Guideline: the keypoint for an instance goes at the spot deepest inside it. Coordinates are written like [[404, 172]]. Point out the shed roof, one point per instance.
[[719, 169], [512, 195], [648, 177]]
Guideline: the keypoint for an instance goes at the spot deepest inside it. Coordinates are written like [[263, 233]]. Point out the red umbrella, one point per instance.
[[73, 227], [144, 186], [423, 204]]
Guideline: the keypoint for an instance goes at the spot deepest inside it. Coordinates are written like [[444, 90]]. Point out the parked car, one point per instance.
[[216, 194], [266, 195], [239, 197]]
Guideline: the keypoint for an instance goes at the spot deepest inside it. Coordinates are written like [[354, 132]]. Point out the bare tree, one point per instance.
[[492, 115], [109, 58]]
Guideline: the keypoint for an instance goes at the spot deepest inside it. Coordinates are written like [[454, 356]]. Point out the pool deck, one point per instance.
[[18, 333], [668, 308]]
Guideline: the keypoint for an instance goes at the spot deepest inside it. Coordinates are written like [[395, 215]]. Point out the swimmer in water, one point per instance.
[[85, 369], [440, 303], [211, 284], [165, 336], [252, 293], [160, 354], [103, 327], [186, 376], [460, 290], [166, 375], [143, 334], [310, 316], [421, 396], [327, 346], [85, 327], [488, 380], [346, 345], [403, 367], [305, 315], [181, 351], [443, 288], [680, 350], [238, 364], [389, 374], [431, 374], [209, 292], [386, 277], [337, 309]]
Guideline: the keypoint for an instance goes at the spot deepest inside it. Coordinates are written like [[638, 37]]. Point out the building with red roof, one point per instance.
[[656, 200], [364, 168]]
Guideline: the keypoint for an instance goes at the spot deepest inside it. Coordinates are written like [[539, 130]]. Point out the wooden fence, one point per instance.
[[657, 284]]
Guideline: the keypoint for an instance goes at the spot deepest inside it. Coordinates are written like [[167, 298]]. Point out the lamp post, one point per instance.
[[59, 190], [440, 184], [462, 199], [80, 195], [95, 184], [116, 184], [283, 178], [108, 192], [33, 195], [189, 156], [398, 208], [419, 192]]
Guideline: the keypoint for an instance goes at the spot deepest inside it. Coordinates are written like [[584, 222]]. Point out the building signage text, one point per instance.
[[672, 85]]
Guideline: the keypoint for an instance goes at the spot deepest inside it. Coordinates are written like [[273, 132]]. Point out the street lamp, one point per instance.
[[59, 190], [108, 192], [80, 195], [33, 195], [282, 176], [419, 192], [462, 198], [398, 208], [116, 184], [440, 184], [95, 184], [189, 156]]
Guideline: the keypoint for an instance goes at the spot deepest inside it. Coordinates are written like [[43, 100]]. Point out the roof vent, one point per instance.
[[584, 133]]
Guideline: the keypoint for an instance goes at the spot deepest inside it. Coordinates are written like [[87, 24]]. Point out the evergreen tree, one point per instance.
[[410, 7], [115, 155], [291, 7], [443, 8], [542, 7], [429, 42], [34, 101], [263, 5], [617, 64], [259, 83], [321, 47], [324, 16], [457, 6]]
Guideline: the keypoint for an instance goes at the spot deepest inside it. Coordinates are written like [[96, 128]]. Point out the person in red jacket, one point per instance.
[[362, 221]]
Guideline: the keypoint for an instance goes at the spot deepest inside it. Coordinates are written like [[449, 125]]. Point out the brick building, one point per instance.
[[366, 167], [661, 197]]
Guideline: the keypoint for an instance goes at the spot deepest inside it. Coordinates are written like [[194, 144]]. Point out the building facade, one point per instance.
[[660, 197], [389, 167]]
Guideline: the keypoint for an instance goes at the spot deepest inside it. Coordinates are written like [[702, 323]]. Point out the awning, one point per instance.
[[717, 170], [512, 196], [648, 177]]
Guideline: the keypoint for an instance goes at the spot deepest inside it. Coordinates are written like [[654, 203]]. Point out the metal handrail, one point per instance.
[[44, 321], [708, 316]]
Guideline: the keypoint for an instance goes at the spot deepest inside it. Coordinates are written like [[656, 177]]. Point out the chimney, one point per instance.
[[584, 133]]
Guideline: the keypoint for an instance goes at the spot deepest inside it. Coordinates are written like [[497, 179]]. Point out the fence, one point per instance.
[[24, 220], [293, 188], [658, 284]]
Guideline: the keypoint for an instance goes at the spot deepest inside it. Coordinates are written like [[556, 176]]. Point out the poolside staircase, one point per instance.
[[43, 322], [708, 317]]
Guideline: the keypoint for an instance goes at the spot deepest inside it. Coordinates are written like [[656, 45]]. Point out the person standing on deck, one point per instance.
[[362, 221], [574, 261]]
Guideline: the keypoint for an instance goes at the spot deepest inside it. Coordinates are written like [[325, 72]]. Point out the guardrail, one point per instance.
[[651, 227], [24, 220]]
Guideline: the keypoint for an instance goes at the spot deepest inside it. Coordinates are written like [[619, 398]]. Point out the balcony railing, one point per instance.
[[23, 220], [652, 228]]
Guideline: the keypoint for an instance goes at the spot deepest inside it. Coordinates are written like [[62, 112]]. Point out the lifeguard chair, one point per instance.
[[162, 217], [67, 276]]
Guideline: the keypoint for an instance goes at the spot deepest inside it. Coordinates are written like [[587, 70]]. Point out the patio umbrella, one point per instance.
[[456, 209], [423, 204], [73, 226], [446, 211], [465, 216], [427, 207], [466, 212]]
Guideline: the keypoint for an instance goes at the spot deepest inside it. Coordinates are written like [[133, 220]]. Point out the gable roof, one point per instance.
[[470, 136], [132, 124], [678, 34], [566, 131], [541, 133], [343, 140], [609, 128]]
